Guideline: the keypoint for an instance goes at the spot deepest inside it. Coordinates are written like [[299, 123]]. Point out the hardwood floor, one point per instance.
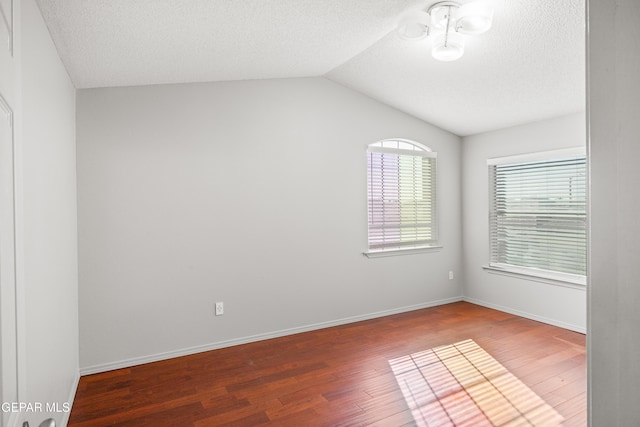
[[338, 376]]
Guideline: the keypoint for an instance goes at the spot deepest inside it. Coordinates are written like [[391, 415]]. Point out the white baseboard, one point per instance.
[[571, 327], [88, 370]]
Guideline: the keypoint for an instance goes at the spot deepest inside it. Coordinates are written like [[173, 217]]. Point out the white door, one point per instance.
[[8, 343], [8, 323]]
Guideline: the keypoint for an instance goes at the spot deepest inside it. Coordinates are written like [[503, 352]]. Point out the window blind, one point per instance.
[[538, 214], [401, 198]]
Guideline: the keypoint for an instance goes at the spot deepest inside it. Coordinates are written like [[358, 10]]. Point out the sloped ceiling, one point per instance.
[[528, 67]]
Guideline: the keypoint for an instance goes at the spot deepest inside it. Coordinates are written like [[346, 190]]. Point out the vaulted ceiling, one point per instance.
[[530, 66]]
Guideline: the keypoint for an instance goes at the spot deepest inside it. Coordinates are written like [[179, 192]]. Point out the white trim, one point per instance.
[[23, 416], [416, 153], [551, 277], [259, 337], [539, 156], [419, 145], [400, 251], [8, 24], [553, 322], [72, 397], [14, 420], [7, 113]]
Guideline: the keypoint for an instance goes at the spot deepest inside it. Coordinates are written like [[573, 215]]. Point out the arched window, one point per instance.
[[401, 193]]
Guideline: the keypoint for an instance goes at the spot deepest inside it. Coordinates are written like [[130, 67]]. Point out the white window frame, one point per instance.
[[553, 277], [379, 246]]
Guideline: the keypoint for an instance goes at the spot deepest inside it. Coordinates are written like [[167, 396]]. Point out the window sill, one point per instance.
[[552, 278], [397, 252]]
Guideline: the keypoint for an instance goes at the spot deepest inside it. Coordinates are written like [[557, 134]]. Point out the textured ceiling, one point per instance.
[[528, 67], [136, 42]]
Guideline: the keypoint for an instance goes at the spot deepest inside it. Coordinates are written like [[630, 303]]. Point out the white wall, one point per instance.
[[614, 298], [252, 193], [46, 220], [550, 303]]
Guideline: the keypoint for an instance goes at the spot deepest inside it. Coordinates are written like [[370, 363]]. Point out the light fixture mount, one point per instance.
[[443, 4], [448, 22]]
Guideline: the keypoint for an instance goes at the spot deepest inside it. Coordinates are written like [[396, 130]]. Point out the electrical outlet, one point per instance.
[[450, 274], [219, 308]]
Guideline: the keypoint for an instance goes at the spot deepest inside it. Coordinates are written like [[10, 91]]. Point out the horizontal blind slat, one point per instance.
[[401, 197], [538, 214]]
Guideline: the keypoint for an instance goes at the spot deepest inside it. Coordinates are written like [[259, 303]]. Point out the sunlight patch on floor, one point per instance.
[[462, 385]]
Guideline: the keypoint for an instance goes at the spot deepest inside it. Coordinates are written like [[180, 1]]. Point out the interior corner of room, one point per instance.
[[149, 219]]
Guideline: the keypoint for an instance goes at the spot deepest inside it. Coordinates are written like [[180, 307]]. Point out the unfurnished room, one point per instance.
[[319, 213]]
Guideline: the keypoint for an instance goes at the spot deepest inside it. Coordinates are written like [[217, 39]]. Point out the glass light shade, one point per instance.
[[414, 26], [448, 47], [440, 15], [474, 18]]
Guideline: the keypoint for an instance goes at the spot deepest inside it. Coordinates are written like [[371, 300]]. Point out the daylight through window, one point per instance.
[[401, 195], [537, 212]]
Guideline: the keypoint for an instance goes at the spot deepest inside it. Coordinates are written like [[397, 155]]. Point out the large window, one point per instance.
[[537, 214], [401, 195]]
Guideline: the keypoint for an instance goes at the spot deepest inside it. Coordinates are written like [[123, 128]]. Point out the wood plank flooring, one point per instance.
[[338, 376]]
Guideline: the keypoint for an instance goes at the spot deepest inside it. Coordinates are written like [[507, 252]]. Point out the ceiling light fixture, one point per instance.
[[447, 22]]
